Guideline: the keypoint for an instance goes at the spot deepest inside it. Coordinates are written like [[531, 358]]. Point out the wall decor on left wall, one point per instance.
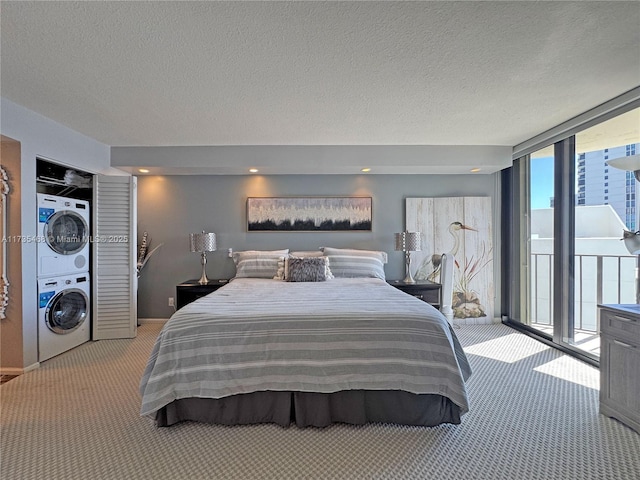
[[309, 214], [4, 282]]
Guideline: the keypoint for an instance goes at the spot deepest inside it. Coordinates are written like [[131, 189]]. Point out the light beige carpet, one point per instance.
[[534, 415]]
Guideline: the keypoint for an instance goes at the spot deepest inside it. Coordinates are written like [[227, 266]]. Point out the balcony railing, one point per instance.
[[598, 279]]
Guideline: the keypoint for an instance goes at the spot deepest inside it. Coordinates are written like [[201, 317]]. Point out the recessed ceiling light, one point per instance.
[[143, 170], [253, 170], [367, 169], [475, 170]]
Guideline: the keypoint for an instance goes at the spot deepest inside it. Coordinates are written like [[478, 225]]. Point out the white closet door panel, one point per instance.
[[114, 258]]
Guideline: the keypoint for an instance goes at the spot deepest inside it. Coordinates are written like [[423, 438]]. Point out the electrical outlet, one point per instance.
[[171, 302]]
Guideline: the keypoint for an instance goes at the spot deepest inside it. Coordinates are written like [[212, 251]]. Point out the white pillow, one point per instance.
[[356, 252]]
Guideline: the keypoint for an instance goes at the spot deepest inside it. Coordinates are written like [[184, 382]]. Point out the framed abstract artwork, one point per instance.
[[309, 214]]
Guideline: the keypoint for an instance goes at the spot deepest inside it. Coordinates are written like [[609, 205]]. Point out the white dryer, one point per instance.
[[63, 235], [63, 314]]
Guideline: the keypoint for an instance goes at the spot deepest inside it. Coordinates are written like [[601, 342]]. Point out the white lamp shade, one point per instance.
[[408, 241], [630, 163], [202, 242]]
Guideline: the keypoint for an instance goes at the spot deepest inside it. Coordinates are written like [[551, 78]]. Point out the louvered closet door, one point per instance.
[[114, 280]]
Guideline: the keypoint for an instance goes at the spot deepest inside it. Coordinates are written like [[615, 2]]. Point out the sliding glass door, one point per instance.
[[540, 237], [605, 206], [567, 210]]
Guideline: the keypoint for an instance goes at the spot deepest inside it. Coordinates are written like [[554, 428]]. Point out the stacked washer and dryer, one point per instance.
[[63, 274]]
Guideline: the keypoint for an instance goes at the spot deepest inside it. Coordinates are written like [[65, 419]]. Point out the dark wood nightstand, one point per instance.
[[191, 290], [425, 290]]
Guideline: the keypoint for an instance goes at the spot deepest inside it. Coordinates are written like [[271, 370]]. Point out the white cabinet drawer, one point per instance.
[[619, 325]]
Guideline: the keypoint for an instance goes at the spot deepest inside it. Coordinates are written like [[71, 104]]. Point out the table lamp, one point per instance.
[[203, 243], [408, 242]]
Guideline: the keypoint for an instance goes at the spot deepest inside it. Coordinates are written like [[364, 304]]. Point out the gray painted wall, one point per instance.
[[171, 207]]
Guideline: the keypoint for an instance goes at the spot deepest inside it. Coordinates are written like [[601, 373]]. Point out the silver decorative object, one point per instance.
[[203, 243], [144, 254], [408, 242]]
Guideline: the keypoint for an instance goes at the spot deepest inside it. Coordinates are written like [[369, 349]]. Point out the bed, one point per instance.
[[349, 350]]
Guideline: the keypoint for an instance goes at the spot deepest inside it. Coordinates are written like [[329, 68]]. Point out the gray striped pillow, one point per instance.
[[260, 267], [260, 263], [355, 266], [356, 252]]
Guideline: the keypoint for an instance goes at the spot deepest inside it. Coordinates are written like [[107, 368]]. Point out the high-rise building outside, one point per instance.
[[600, 184]]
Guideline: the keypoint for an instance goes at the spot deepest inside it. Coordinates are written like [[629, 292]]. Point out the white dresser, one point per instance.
[[620, 363]]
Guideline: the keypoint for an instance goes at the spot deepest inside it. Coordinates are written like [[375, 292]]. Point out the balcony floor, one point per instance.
[[586, 340]]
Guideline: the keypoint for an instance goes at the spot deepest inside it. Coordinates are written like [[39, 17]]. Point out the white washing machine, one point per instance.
[[63, 235], [63, 314]]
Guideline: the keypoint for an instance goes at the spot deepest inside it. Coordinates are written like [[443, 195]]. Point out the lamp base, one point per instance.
[[203, 278], [408, 277]]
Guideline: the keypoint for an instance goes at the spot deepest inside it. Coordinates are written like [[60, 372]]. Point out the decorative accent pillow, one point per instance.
[[308, 269], [260, 263], [382, 256], [355, 266]]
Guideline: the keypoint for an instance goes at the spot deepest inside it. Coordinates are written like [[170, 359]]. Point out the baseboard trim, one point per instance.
[[152, 320], [18, 371]]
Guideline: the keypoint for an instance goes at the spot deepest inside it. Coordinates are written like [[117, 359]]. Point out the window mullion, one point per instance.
[[564, 245]]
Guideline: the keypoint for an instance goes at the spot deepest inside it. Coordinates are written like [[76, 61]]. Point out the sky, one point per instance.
[[541, 182]]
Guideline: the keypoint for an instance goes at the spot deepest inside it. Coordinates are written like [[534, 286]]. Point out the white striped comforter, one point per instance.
[[342, 334]]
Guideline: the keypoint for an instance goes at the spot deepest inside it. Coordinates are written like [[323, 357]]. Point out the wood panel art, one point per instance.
[[461, 226]]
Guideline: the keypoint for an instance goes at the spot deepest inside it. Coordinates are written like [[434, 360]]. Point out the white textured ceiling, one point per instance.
[[316, 73]]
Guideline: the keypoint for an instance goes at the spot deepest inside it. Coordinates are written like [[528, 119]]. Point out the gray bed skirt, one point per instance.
[[314, 409]]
